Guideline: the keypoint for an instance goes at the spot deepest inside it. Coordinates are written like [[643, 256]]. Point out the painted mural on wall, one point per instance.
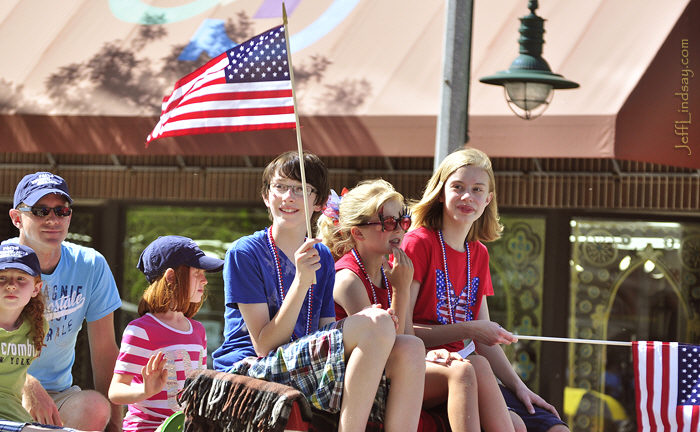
[[125, 73]]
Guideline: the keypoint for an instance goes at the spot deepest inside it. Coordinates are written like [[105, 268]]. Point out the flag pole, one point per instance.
[[298, 129], [296, 117], [572, 340]]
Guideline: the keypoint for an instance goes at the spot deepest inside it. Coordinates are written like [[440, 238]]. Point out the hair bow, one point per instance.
[[332, 208]]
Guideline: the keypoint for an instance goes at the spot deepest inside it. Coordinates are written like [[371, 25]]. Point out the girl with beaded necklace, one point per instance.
[[367, 224], [280, 324], [451, 277]]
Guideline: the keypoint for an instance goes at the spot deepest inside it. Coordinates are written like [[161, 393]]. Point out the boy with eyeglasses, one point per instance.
[[280, 323], [78, 286]]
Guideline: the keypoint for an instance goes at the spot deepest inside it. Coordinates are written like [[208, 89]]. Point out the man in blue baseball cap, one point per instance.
[[78, 286]]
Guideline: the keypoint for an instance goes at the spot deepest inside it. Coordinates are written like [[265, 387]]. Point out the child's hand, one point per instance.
[[489, 333], [443, 356], [391, 312], [154, 374], [401, 273], [307, 261], [394, 318]]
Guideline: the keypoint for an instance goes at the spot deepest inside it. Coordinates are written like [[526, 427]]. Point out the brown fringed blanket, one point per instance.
[[219, 401]]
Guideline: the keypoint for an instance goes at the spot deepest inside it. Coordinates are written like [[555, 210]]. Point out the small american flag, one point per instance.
[[245, 88], [667, 386]]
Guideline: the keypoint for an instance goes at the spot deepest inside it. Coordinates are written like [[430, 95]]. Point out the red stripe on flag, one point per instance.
[[695, 423], [637, 388], [197, 73], [262, 94], [219, 129], [665, 384], [176, 102], [650, 385], [239, 112]]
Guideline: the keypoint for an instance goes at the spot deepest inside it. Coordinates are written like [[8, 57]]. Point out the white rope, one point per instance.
[[572, 340]]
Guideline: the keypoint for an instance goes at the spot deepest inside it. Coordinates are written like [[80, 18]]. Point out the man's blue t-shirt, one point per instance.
[[80, 288], [250, 277]]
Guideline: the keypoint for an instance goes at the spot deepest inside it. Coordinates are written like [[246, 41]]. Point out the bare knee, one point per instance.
[[482, 367], [372, 327], [86, 410], [376, 323], [461, 374], [408, 353]]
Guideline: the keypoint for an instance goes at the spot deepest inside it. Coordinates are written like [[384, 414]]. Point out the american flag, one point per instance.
[[245, 88], [667, 386]]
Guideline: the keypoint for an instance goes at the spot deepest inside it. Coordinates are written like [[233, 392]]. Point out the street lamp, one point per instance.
[[529, 81]]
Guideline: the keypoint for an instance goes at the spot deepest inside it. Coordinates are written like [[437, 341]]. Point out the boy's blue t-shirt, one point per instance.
[[250, 277], [80, 288]]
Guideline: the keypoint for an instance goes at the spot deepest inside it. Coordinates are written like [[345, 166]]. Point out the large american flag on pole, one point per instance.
[[667, 386], [245, 88]]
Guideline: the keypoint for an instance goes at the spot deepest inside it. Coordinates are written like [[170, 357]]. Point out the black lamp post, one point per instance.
[[529, 82]]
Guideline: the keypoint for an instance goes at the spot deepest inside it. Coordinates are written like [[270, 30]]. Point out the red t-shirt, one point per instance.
[[347, 261], [422, 245]]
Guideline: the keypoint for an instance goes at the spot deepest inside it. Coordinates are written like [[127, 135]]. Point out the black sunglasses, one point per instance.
[[390, 223], [42, 211]]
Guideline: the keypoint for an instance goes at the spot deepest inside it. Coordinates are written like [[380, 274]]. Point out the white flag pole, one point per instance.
[[572, 340], [298, 129]]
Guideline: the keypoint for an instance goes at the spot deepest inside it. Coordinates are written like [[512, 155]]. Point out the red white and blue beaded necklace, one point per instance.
[[356, 255], [280, 286], [451, 302]]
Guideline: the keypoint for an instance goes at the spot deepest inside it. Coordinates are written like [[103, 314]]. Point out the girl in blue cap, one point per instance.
[[161, 347], [22, 326]]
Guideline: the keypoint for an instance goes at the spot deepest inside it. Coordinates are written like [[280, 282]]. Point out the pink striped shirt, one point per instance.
[[185, 351]]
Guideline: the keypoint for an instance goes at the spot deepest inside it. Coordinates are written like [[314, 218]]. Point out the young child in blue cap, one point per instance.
[[22, 326], [161, 347]]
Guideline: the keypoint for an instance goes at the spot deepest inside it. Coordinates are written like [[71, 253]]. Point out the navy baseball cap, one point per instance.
[[34, 186], [20, 257], [171, 252]]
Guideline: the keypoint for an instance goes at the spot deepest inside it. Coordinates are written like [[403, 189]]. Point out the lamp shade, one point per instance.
[[528, 95]]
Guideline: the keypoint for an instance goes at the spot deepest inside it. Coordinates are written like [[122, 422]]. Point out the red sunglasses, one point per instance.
[[390, 223]]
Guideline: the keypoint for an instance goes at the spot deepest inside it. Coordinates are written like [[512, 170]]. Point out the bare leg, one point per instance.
[[368, 338], [86, 410], [457, 384], [517, 422], [404, 368], [492, 408]]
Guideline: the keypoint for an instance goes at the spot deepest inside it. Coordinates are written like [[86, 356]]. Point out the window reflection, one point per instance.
[[629, 281]]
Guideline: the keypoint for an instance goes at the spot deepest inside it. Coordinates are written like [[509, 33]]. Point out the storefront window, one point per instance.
[[630, 280]]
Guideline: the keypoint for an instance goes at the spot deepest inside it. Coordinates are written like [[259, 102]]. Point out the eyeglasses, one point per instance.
[[280, 189], [42, 211], [390, 223]]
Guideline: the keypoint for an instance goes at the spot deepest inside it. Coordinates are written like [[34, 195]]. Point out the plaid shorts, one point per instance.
[[314, 365], [10, 426]]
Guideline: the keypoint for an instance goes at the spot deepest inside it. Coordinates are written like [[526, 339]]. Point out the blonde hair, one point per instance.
[[163, 296], [357, 206], [428, 211]]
